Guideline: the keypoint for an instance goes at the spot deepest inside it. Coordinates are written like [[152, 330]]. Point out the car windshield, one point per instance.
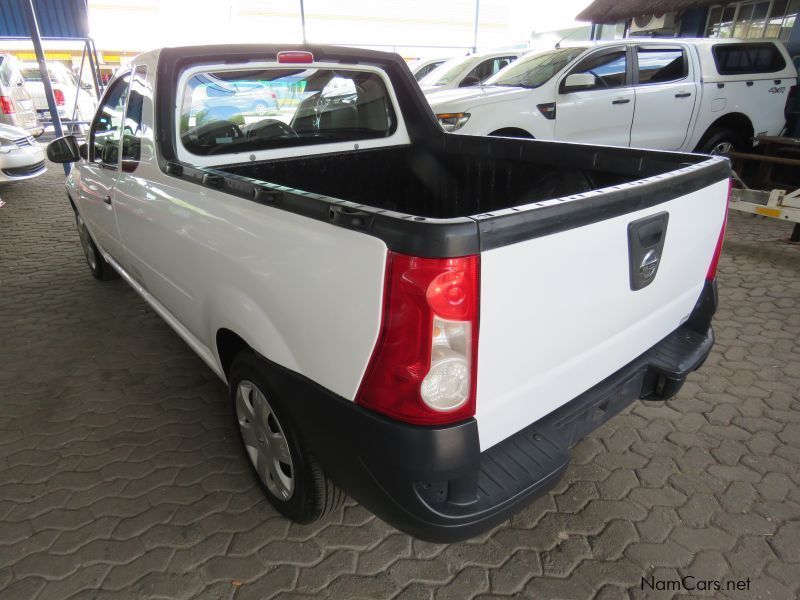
[[259, 109], [536, 70], [448, 71]]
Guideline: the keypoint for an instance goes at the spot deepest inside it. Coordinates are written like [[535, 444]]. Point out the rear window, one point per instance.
[[261, 109], [744, 59]]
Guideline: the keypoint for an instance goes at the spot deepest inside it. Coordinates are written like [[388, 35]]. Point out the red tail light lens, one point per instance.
[[424, 366], [59, 96], [712, 269], [7, 105], [295, 57]]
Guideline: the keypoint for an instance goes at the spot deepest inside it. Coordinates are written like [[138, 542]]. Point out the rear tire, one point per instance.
[[721, 141], [283, 462], [97, 264]]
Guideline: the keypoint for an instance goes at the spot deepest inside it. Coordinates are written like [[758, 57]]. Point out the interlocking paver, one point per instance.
[[121, 475]]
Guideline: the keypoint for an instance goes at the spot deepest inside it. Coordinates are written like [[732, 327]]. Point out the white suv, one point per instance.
[[710, 95]]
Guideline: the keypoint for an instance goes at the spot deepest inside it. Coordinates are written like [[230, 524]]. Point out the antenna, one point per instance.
[[571, 33]]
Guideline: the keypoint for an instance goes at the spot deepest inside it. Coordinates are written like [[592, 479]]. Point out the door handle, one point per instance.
[[107, 200], [621, 101], [683, 94]]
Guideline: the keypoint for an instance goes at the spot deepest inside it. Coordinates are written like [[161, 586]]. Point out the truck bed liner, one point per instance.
[[444, 183]]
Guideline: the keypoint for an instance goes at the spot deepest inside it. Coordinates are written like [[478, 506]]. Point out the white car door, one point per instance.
[[603, 113], [666, 92], [99, 173]]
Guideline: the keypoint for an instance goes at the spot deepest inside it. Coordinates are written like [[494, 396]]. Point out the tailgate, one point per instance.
[[558, 312]]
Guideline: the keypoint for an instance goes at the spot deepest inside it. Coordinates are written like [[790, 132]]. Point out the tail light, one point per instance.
[[59, 96], [790, 97], [7, 105], [712, 269], [424, 366]]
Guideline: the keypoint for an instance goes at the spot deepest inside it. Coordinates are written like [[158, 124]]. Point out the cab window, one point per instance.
[[608, 68], [244, 110], [107, 126], [661, 65]]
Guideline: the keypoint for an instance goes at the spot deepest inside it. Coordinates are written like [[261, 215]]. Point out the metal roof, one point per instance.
[[56, 18]]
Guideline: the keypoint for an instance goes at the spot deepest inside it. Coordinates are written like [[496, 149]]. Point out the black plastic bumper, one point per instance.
[[435, 484]]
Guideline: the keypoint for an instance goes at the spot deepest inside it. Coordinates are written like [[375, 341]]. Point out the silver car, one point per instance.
[[21, 156], [16, 106]]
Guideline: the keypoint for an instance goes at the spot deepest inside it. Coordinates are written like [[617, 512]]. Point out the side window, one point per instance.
[[503, 62], [134, 129], [489, 67], [609, 69], [745, 59], [106, 129], [425, 70], [660, 65], [484, 70]]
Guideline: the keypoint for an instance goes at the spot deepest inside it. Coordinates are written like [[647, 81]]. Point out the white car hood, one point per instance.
[[462, 98]]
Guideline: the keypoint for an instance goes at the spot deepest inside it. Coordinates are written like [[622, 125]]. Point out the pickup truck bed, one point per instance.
[[463, 177]]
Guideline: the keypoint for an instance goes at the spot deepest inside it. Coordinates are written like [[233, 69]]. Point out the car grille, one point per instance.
[[24, 141], [23, 171]]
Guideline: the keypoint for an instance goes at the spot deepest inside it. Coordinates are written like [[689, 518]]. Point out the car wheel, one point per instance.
[[721, 142], [97, 264], [261, 108], [290, 476]]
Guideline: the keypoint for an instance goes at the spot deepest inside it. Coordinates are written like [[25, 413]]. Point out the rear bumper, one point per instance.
[[435, 484]]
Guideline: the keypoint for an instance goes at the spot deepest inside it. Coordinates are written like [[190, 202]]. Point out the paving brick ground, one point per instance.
[[121, 476]]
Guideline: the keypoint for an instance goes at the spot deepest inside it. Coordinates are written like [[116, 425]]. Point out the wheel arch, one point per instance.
[[235, 323], [229, 344], [738, 122], [516, 132]]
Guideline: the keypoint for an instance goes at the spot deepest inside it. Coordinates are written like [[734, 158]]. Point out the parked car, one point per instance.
[[65, 90], [16, 106], [422, 66], [333, 269], [709, 95], [221, 99], [469, 70], [21, 156]]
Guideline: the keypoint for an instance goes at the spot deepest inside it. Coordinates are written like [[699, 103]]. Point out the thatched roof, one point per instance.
[[614, 11]]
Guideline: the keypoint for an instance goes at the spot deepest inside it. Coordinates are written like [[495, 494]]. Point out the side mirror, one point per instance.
[[578, 81], [468, 81], [64, 150]]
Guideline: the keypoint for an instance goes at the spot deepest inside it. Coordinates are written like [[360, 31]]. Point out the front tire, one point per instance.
[[287, 470], [97, 264]]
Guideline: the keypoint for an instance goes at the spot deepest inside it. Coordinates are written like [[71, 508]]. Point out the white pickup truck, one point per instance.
[[425, 321], [708, 95]]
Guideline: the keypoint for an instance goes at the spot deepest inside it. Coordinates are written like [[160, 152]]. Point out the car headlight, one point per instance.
[[452, 121], [6, 146]]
